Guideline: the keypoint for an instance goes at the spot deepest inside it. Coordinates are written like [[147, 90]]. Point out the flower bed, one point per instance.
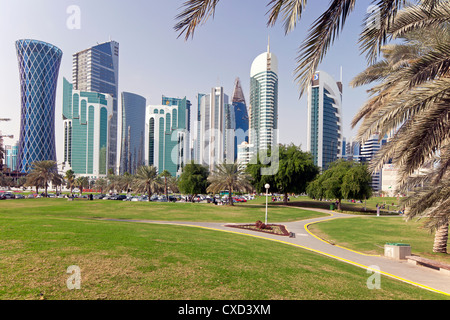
[[276, 229]]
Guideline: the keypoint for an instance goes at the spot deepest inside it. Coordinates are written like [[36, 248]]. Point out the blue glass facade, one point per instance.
[[39, 64], [133, 128]]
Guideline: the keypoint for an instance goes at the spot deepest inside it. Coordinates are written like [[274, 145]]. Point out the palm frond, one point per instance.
[[321, 35], [195, 13], [291, 11]]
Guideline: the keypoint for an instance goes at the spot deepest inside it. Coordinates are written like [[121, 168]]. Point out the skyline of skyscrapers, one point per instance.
[[39, 64], [324, 136]]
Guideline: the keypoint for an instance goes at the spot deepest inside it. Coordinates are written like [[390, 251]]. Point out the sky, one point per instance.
[[154, 61]]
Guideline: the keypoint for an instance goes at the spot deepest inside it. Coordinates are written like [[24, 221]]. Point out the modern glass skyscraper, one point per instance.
[[368, 151], [132, 124], [39, 64], [324, 135], [97, 70], [86, 117], [213, 127], [240, 116], [264, 101], [166, 146]]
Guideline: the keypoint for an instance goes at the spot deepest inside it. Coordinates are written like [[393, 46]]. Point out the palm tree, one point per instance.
[[101, 184], [165, 175], [42, 172], [323, 31], [231, 177], [410, 101], [70, 178], [81, 182], [147, 180]]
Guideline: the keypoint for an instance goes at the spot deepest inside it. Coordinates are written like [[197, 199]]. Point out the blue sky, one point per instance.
[[154, 62]]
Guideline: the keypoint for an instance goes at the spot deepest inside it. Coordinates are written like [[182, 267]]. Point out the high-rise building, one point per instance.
[[11, 153], [96, 69], [264, 101], [324, 132], [368, 151], [132, 129], [86, 117], [212, 128], [166, 146], [240, 117], [39, 64]]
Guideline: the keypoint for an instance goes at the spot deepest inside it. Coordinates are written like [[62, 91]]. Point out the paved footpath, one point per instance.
[[399, 269]]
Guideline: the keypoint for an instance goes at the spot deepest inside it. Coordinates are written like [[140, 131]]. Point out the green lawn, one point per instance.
[[369, 234], [122, 260], [153, 210]]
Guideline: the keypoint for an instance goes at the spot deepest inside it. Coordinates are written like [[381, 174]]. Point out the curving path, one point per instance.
[[401, 270]]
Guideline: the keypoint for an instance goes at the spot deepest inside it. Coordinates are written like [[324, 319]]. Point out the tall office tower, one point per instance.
[[240, 115], [196, 126], [324, 133], [39, 64], [86, 117], [97, 70], [132, 132], [11, 157], [368, 150], [352, 151], [264, 101], [212, 128], [175, 102], [165, 136]]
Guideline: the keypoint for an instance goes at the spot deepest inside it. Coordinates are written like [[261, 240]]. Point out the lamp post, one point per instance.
[[267, 186]]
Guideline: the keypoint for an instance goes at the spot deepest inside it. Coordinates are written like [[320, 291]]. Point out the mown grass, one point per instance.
[[196, 212], [370, 234], [122, 260]]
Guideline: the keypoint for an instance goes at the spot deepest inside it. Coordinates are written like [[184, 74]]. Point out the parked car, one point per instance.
[[20, 196], [8, 195], [120, 197]]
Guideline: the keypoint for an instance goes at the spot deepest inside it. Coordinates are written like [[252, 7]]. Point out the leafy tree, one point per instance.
[[42, 172], [147, 180], [231, 177], [295, 170], [193, 180], [343, 179]]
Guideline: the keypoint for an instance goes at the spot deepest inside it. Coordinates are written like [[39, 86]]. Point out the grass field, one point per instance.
[[41, 238], [369, 234]]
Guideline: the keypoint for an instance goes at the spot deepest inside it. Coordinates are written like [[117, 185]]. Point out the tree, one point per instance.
[[81, 182], [410, 98], [193, 180], [165, 175], [295, 170], [101, 184], [147, 180], [42, 172], [70, 178], [343, 179], [231, 177]]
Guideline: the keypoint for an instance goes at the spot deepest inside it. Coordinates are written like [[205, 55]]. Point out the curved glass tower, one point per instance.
[[264, 101], [38, 67], [241, 116]]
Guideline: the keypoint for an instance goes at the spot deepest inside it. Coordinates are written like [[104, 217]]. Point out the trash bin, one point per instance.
[[331, 206], [398, 251]]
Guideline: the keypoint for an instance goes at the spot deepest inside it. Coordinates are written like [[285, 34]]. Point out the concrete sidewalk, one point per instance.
[[399, 269]]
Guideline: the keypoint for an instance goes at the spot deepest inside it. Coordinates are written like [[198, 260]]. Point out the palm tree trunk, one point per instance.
[[231, 196], [440, 239]]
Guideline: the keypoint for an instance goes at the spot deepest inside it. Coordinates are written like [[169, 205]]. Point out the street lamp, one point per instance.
[[267, 186]]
